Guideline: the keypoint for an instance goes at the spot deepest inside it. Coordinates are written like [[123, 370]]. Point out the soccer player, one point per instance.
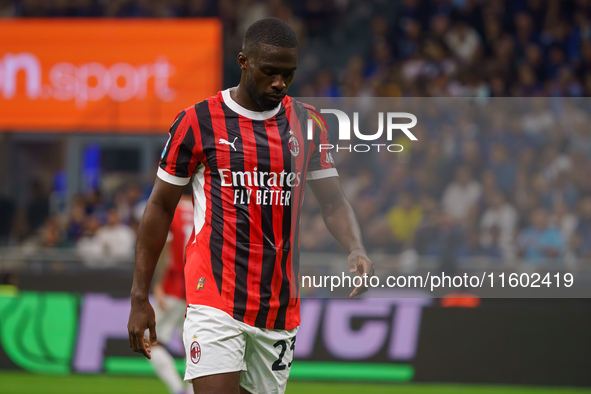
[[247, 155], [169, 294]]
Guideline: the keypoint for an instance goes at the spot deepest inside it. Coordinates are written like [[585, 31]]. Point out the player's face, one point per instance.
[[269, 73]]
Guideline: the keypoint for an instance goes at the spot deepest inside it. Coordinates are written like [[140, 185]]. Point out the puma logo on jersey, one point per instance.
[[224, 142]]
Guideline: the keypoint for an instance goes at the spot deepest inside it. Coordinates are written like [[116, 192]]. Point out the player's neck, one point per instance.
[[241, 97]]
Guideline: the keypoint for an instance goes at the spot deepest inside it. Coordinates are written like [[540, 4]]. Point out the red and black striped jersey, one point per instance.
[[248, 171]]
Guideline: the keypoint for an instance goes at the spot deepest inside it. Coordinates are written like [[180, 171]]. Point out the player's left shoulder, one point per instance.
[[304, 109], [291, 103]]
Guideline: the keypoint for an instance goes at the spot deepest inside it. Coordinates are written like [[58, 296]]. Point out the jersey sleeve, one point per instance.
[[321, 163], [180, 155]]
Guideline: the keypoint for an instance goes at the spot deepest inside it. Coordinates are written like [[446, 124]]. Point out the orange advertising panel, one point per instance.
[[105, 75]]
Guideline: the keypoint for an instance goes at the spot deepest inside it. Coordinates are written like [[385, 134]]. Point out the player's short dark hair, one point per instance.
[[270, 31]]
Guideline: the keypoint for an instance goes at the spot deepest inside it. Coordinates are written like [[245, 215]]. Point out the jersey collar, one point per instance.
[[240, 110]]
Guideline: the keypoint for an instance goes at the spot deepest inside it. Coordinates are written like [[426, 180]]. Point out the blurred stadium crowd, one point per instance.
[[498, 187], [391, 48], [494, 180]]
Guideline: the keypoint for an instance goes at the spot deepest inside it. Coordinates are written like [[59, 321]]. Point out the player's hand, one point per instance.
[[159, 296], [360, 264], [141, 318]]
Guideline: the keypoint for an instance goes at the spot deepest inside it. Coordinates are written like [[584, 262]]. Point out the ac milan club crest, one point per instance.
[[195, 352], [294, 146]]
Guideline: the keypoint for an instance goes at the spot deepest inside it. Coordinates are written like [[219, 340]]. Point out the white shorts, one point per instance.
[[169, 319], [217, 343]]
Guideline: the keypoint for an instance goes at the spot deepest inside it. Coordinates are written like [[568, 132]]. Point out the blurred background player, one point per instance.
[[169, 294]]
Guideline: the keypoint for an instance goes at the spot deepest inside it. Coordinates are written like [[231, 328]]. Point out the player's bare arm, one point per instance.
[[152, 234], [342, 224]]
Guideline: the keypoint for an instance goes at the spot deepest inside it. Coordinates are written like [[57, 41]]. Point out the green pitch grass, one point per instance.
[[23, 383]]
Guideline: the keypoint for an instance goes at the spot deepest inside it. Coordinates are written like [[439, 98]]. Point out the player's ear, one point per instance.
[[242, 61]]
